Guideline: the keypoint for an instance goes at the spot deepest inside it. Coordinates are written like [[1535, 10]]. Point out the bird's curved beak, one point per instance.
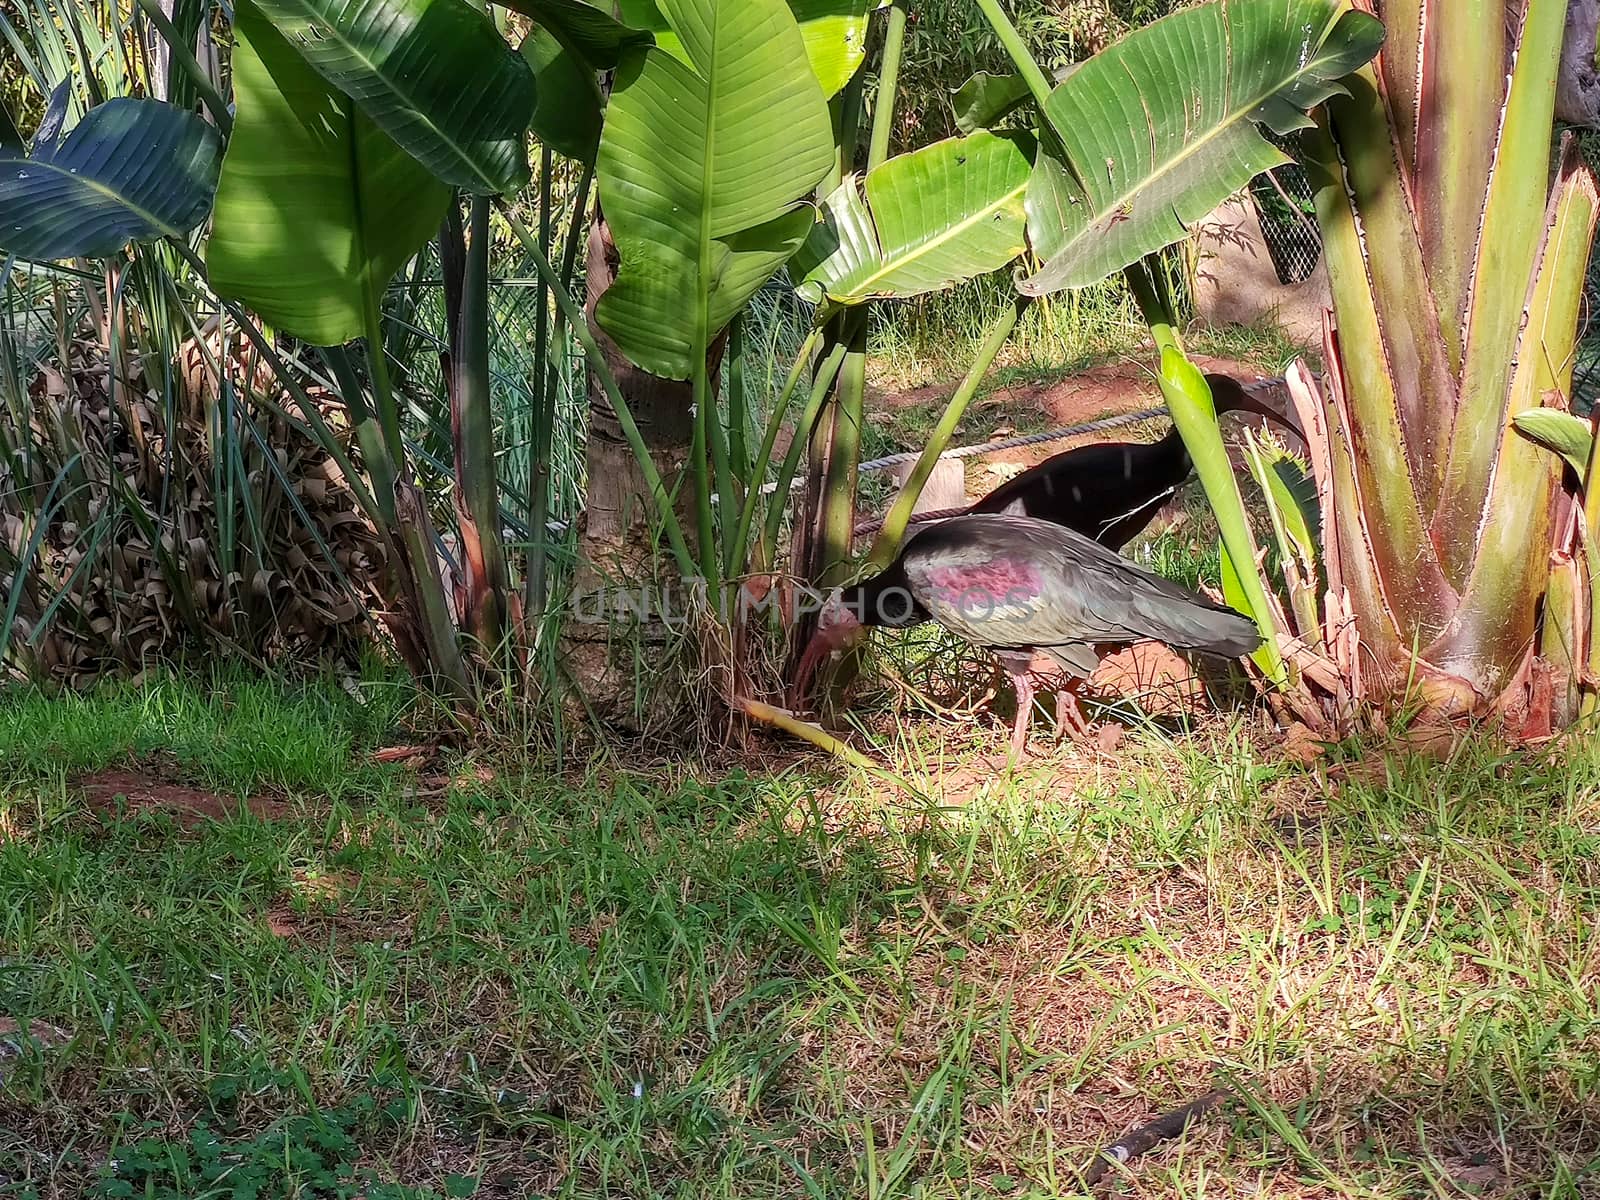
[[828, 640], [1254, 398]]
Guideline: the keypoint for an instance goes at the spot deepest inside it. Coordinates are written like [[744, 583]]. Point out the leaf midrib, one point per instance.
[[111, 193], [1171, 165], [863, 289], [310, 13]]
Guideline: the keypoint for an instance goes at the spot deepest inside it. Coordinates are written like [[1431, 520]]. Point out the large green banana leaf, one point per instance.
[[703, 167], [317, 207], [435, 75], [131, 170], [931, 218], [1160, 128], [834, 33]]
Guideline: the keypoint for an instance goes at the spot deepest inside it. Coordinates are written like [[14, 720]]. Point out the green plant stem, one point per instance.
[[838, 499], [844, 454], [209, 96], [845, 109], [827, 372], [472, 427], [700, 464], [1590, 706], [542, 432], [382, 393], [887, 543], [1194, 414], [894, 45], [597, 364], [738, 409], [368, 436], [727, 506], [1155, 304], [739, 548], [580, 209], [1017, 50]]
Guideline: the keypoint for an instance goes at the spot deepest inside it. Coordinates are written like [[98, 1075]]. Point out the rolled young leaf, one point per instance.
[[1560, 433], [131, 170], [317, 207]]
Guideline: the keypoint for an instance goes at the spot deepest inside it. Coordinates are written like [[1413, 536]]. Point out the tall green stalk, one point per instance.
[[739, 547], [472, 425], [827, 372], [887, 543], [542, 430], [837, 516]]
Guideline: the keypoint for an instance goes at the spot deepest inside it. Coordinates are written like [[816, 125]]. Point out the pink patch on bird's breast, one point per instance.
[[998, 578]]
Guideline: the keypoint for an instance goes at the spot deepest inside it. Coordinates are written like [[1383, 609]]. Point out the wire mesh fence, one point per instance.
[[1283, 201]]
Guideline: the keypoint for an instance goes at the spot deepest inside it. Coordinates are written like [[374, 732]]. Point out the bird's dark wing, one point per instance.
[[1013, 581], [1108, 491]]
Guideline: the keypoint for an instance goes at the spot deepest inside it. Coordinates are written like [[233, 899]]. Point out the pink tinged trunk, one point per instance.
[[1412, 343], [1462, 91], [1497, 621], [1507, 254], [1386, 558], [1400, 66]]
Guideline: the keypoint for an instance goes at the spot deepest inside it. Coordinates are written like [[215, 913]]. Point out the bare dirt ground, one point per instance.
[[138, 790]]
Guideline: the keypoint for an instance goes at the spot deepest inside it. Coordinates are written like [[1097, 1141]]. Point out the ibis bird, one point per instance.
[[1018, 587], [1110, 491]]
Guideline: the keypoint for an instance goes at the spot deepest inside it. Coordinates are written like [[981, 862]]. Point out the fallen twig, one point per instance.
[[1136, 1141]]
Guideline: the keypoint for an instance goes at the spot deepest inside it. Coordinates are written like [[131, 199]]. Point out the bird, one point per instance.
[[1110, 491], [1020, 586]]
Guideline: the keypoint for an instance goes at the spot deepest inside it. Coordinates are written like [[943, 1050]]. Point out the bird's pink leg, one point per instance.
[[1069, 713], [1019, 731]]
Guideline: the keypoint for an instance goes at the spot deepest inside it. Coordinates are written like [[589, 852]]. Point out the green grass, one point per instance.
[[763, 981]]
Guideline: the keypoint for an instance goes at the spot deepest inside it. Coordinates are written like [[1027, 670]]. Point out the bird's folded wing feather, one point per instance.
[[1041, 585]]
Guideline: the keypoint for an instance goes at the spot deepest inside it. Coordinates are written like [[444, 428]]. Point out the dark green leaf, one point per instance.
[[568, 115], [583, 29], [985, 99], [435, 75], [131, 170]]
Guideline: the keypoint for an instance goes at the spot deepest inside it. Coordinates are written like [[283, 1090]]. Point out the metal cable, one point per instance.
[[1033, 439]]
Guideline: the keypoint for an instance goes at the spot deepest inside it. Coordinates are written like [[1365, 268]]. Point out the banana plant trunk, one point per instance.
[[1457, 271], [617, 635]]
